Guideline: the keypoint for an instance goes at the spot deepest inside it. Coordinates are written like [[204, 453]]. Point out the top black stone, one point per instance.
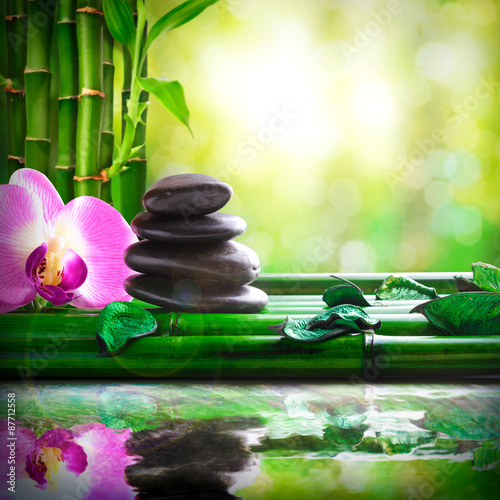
[[187, 195]]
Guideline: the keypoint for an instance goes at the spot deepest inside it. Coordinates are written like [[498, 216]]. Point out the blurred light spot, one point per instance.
[[413, 11], [345, 197], [463, 138], [313, 190], [443, 220], [435, 27], [419, 176], [443, 163], [373, 101], [436, 60], [467, 225], [356, 257], [332, 222], [208, 20], [413, 88], [438, 194], [241, 9], [292, 234], [482, 12], [262, 244], [473, 167], [403, 257]]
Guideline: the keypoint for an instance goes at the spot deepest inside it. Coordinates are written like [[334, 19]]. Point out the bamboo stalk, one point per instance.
[[89, 21], [132, 182], [107, 135], [355, 357], [316, 284], [37, 79], [16, 28], [68, 99]]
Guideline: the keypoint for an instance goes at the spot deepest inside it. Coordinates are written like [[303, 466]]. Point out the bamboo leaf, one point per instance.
[[404, 288], [4, 82], [346, 293], [335, 322], [170, 94], [120, 21], [177, 17], [121, 322], [466, 313], [486, 276]]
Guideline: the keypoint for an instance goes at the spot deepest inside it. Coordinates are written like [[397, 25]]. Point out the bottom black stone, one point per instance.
[[187, 296]]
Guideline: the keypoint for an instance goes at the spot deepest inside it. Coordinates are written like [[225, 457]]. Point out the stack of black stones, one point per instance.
[[188, 259]]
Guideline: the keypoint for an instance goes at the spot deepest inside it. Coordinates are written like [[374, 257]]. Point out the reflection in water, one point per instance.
[[183, 441], [192, 459]]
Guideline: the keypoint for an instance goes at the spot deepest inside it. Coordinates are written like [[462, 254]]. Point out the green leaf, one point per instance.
[[337, 321], [170, 94], [486, 276], [120, 22], [121, 322], [346, 293], [4, 82], [467, 313], [404, 288], [177, 17]]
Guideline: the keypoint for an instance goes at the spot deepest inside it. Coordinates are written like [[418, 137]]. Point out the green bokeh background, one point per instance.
[[358, 135]]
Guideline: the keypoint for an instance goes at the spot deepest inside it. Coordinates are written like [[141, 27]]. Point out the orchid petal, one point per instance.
[[40, 185], [34, 260], [23, 230], [55, 295], [5, 308], [75, 271], [99, 235]]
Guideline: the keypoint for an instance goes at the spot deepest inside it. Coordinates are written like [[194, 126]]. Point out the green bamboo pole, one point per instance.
[[16, 27], [89, 21], [316, 284], [37, 79], [107, 135], [355, 357], [132, 182], [68, 99]]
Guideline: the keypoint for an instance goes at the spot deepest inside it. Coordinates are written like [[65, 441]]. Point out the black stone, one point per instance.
[[211, 227], [187, 195], [187, 296], [212, 265]]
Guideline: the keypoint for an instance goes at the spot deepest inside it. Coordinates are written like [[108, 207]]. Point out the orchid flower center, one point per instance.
[[50, 271], [52, 458]]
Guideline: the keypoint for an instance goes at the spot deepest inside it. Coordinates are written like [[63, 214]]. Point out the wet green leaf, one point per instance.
[[404, 288], [345, 293], [121, 322], [337, 321], [486, 276], [466, 313]]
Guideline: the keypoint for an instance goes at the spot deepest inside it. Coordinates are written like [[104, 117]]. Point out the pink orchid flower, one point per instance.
[[64, 253]]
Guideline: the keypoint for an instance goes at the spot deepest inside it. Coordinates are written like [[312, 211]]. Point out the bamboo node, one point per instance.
[[99, 177], [91, 92], [90, 10], [62, 98], [9, 88], [15, 16], [107, 62], [136, 159], [20, 159], [66, 167]]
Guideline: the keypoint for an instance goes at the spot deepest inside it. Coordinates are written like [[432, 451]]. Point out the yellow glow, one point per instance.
[[373, 101]]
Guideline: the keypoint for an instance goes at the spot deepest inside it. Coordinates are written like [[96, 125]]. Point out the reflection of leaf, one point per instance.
[[487, 456], [337, 321], [404, 288], [346, 293], [121, 322], [486, 276], [466, 313]]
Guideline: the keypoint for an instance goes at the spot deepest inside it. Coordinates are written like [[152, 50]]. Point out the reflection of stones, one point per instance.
[[205, 459], [187, 195], [190, 247]]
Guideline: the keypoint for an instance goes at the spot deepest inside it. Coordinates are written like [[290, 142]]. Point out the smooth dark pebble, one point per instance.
[[211, 227], [210, 265], [186, 296], [187, 195]]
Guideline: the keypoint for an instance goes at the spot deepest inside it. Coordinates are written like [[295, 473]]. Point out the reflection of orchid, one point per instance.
[[69, 253], [93, 453]]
